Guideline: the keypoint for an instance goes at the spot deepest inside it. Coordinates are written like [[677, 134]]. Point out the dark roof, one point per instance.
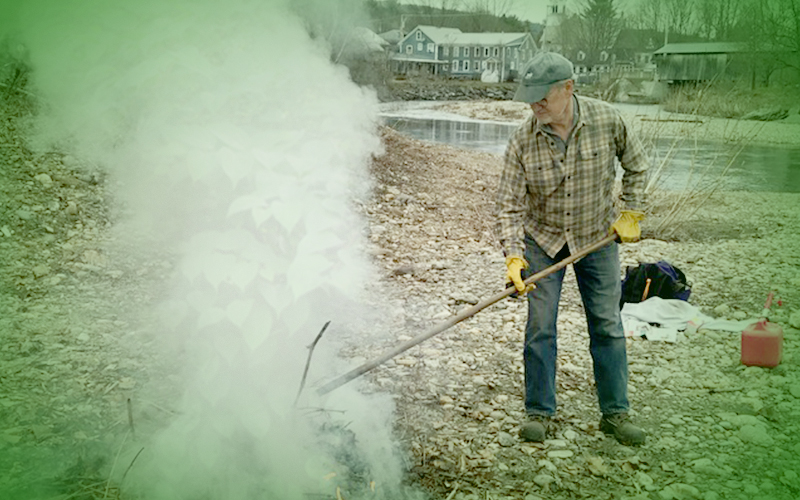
[[701, 48]]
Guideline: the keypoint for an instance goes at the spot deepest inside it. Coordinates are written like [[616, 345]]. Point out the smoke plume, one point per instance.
[[239, 145]]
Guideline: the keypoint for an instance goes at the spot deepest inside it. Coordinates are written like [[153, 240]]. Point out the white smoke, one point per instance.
[[240, 145]]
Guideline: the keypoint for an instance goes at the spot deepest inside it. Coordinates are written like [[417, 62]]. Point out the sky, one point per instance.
[[530, 10]]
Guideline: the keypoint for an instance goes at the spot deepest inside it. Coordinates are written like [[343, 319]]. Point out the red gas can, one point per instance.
[[762, 344]]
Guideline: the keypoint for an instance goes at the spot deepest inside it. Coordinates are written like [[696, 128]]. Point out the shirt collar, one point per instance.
[[576, 120]]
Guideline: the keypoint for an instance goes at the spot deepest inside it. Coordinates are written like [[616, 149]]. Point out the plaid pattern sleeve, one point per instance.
[[560, 197], [635, 163], [511, 201]]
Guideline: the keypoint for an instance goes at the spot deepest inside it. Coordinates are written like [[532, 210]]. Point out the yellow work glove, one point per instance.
[[627, 226], [515, 265]]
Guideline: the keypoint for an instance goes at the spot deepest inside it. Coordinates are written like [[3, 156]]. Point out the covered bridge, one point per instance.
[[693, 62]]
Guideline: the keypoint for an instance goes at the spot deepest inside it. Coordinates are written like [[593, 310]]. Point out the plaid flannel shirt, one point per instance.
[[567, 198]]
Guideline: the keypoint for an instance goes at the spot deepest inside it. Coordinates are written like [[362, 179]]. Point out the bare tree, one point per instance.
[[771, 30], [718, 18], [674, 16], [649, 15], [679, 15], [497, 8]]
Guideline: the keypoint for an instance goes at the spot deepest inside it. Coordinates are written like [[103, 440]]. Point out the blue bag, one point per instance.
[[666, 281]]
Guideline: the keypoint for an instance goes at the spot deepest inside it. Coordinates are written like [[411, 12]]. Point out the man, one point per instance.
[[555, 195]]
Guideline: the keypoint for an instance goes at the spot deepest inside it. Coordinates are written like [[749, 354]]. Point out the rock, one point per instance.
[[739, 315], [560, 453], [706, 466], [643, 479], [679, 491], [398, 271], [44, 179], [742, 420], [466, 298], [24, 214], [544, 480], [751, 489], [794, 319], [505, 439], [72, 208], [794, 390], [41, 270], [722, 310], [755, 434]]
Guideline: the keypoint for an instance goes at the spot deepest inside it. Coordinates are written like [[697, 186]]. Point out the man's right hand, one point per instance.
[[515, 264]]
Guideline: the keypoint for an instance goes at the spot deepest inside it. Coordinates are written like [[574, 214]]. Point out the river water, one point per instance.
[[685, 163]]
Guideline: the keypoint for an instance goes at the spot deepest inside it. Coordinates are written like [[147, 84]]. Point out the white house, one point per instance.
[[451, 53]]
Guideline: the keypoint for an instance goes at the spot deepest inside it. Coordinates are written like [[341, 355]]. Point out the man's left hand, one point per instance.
[[627, 226]]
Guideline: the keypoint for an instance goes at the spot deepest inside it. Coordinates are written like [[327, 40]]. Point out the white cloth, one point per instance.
[[665, 319]]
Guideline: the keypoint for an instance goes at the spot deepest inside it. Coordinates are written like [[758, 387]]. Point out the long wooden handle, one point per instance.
[[458, 318]]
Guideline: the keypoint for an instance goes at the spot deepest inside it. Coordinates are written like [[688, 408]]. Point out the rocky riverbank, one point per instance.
[[650, 125], [72, 355], [447, 90], [717, 429]]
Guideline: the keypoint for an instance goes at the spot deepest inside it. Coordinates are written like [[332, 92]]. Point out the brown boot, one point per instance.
[[620, 427], [535, 429]]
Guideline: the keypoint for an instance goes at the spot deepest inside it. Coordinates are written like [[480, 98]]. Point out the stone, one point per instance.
[[41, 270], [544, 480], [44, 179], [722, 310], [560, 453], [794, 390], [505, 439], [794, 319], [685, 491], [755, 434]]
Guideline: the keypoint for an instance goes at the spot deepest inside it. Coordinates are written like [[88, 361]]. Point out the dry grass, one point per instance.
[[730, 100]]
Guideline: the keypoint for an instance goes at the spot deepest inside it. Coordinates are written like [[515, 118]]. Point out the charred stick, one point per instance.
[[308, 361]]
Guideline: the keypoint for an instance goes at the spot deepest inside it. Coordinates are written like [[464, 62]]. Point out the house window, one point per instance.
[[581, 55], [604, 56], [486, 52], [430, 47], [409, 49], [419, 47], [477, 51], [455, 65], [476, 65], [483, 65], [513, 66], [455, 51], [496, 51], [446, 51], [419, 35], [466, 65]]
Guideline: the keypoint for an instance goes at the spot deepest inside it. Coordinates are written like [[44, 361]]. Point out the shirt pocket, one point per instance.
[[544, 176], [595, 161]]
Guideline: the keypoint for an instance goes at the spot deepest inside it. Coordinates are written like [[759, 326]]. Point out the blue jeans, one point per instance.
[[598, 276]]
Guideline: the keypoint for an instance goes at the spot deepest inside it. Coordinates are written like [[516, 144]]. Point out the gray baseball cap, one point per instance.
[[543, 70]]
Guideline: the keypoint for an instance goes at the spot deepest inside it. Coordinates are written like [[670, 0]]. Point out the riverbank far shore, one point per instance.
[[647, 123]]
